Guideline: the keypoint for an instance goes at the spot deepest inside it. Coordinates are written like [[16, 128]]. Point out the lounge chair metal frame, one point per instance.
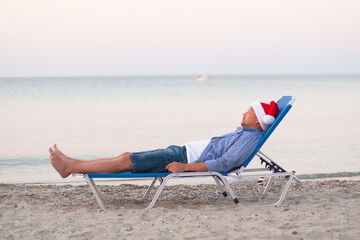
[[271, 171]]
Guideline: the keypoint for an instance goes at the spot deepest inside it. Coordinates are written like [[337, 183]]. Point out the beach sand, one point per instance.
[[312, 210]]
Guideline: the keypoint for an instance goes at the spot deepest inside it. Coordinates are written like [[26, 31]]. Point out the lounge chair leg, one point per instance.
[[267, 188], [286, 188], [97, 194], [229, 189], [149, 189], [96, 189], [222, 190], [157, 194]]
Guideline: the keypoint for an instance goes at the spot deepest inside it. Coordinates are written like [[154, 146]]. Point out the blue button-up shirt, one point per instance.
[[230, 151]]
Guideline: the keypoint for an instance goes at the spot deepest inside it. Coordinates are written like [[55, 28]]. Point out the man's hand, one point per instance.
[[176, 167], [186, 167]]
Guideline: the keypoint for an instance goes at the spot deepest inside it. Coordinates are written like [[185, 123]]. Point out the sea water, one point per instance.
[[93, 117]]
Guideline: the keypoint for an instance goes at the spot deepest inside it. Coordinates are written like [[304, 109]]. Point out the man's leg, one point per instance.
[[66, 165]]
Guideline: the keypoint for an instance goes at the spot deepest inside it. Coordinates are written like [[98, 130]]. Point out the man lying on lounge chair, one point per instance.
[[220, 154]]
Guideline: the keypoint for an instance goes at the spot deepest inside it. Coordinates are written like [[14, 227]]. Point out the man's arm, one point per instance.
[[234, 157], [186, 167]]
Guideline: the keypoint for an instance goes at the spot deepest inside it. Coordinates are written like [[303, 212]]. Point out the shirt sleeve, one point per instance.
[[235, 156]]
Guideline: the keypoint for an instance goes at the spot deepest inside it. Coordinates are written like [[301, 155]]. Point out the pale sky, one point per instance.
[[178, 37]]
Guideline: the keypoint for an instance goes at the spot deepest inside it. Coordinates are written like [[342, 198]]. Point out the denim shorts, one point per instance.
[[156, 161]]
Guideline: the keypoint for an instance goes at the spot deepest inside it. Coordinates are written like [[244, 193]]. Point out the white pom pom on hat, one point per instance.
[[265, 113], [268, 119]]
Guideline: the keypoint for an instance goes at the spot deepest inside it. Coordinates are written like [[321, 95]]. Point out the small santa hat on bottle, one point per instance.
[[265, 113]]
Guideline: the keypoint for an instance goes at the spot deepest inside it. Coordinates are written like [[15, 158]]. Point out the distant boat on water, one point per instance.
[[205, 77]]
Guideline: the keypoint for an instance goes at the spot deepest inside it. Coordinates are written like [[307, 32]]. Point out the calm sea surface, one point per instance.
[[91, 117]]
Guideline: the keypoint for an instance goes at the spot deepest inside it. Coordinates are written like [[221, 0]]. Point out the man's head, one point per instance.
[[265, 113], [250, 120]]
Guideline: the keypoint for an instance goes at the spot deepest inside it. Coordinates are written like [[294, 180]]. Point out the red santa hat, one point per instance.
[[265, 113]]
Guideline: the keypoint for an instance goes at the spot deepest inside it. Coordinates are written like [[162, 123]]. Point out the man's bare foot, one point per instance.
[[61, 155], [60, 165]]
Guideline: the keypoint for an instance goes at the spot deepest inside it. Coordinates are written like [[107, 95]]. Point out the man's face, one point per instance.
[[249, 119]]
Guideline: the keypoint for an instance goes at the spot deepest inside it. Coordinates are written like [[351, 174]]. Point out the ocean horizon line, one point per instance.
[[187, 75]]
